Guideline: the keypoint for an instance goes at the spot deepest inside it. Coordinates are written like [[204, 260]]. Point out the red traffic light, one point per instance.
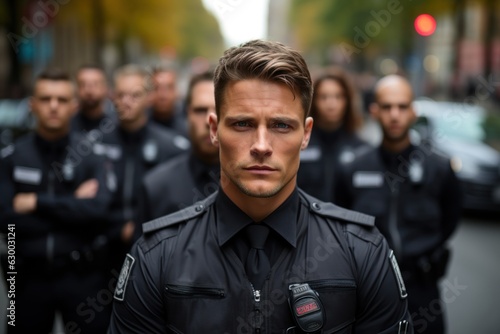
[[425, 24]]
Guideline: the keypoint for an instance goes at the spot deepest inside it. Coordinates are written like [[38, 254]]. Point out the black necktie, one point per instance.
[[257, 265]]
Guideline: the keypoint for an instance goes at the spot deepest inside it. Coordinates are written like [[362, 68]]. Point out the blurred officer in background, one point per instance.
[[166, 109], [192, 176], [230, 263], [337, 117], [54, 193], [414, 195], [134, 147], [93, 113]]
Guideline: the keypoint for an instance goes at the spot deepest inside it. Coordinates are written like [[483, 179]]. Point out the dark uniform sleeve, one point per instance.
[[137, 304], [74, 210], [451, 203], [381, 292], [144, 212], [24, 223], [341, 187]]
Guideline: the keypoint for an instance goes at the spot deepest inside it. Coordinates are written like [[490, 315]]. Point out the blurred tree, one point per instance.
[[185, 27]]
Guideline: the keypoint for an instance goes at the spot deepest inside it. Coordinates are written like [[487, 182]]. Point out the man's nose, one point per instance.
[[394, 112], [53, 104], [262, 144]]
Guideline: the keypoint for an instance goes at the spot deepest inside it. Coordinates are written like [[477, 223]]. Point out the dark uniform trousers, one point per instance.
[[179, 279]]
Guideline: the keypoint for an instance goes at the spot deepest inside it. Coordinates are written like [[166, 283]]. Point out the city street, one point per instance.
[[470, 290], [475, 275]]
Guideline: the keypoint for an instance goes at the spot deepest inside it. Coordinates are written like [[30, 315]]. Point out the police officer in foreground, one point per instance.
[[260, 255], [192, 176], [333, 140], [133, 147], [413, 194], [54, 200]]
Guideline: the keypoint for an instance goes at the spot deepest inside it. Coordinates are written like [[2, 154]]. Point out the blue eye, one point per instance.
[[241, 123], [282, 125]]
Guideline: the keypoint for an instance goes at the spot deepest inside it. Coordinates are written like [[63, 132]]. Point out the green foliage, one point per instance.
[[185, 27]]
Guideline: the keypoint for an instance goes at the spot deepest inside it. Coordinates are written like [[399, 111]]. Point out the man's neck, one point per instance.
[[163, 117], [257, 208], [52, 135], [93, 113], [134, 126], [396, 146]]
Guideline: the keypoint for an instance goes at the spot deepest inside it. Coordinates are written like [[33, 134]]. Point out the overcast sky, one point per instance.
[[240, 20]]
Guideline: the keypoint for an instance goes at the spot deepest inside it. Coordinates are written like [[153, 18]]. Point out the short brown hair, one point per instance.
[[54, 74], [352, 119], [134, 70], [263, 60]]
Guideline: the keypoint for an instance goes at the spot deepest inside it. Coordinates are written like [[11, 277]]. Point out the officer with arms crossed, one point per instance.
[[54, 193], [230, 263], [413, 194], [192, 176]]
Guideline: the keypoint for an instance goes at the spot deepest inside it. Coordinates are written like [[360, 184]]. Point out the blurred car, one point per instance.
[[466, 134], [15, 120]]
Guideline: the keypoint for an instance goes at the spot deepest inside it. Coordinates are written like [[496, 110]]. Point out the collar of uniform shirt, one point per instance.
[[390, 159], [56, 146], [231, 220]]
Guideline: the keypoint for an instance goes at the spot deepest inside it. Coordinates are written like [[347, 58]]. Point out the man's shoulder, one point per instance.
[[20, 145], [167, 226], [360, 225], [330, 210], [166, 135], [364, 153], [168, 170]]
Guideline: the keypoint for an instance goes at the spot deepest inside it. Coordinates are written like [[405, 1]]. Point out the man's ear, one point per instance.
[[307, 132], [212, 123]]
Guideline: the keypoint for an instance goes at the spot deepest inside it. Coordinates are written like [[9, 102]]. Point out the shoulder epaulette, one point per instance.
[[333, 211], [179, 216]]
